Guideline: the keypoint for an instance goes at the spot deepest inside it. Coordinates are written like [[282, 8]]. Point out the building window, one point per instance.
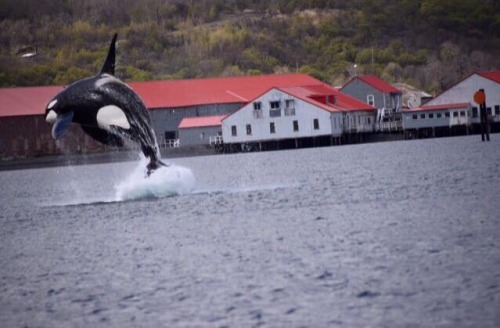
[[234, 132], [275, 109], [422, 115], [258, 114], [455, 114], [257, 110], [447, 114], [462, 113], [415, 116], [474, 112], [316, 124], [489, 111], [274, 104], [295, 126], [370, 99], [170, 135], [431, 115], [272, 128], [249, 130], [497, 109], [438, 115], [369, 120], [289, 107]]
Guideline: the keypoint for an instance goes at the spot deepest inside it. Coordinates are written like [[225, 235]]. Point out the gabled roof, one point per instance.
[[438, 107], [322, 96], [375, 82], [163, 94], [203, 121], [494, 76], [327, 98]]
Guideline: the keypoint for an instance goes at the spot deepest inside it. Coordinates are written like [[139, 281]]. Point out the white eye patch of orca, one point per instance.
[[112, 115], [51, 116], [52, 104]]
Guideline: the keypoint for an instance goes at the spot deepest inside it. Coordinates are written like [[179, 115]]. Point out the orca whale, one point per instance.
[[107, 110]]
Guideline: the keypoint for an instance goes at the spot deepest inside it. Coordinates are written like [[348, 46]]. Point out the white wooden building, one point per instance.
[[456, 106], [304, 113]]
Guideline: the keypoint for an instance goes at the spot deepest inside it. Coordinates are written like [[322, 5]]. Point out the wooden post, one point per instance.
[[480, 99]]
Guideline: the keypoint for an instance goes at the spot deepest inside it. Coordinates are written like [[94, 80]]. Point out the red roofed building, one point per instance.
[[455, 109], [204, 130], [296, 116], [172, 101], [378, 93], [24, 133]]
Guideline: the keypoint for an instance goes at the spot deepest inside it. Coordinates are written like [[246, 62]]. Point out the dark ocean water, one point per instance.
[[399, 234]]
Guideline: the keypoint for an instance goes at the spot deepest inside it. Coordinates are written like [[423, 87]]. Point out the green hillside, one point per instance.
[[431, 44]]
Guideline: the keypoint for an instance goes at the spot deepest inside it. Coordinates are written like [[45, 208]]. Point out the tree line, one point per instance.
[[430, 44]]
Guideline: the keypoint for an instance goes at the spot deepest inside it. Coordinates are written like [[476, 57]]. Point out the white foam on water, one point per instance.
[[166, 181]]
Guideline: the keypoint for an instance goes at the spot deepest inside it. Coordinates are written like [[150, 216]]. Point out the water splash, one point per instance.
[[167, 181]]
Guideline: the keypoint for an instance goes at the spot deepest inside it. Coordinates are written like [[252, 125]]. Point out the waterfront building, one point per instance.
[[300, 116], [24, 133], [380, 94], [454, 111]]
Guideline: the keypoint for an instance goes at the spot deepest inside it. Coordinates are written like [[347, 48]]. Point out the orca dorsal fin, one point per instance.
[[109, 64]]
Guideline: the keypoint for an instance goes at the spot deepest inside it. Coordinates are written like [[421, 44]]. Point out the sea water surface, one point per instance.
[[397, 234]]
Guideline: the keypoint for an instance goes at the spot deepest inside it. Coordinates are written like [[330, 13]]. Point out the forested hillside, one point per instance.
[[431, 44]]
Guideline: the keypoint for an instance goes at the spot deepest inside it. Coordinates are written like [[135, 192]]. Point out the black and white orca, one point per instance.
[[107, 110]]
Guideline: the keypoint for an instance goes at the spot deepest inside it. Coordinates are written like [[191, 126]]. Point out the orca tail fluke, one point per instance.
[[154, 164]]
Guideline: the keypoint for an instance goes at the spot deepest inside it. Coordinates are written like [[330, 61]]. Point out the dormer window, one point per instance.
[[257, 110], [370, 100], [289, 107], [275, 110]]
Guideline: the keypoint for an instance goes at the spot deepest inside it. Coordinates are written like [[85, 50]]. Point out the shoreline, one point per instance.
[[120, 155], [112, 156]]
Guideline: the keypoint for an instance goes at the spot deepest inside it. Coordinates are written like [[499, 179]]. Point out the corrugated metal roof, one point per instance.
[[242, 89], [26, 101], [375, 82], [203, 121], [438, 107], [163, 94]]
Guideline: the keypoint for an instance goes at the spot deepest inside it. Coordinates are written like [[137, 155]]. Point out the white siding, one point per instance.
[[436, 118], [260, 121], [464, 92]]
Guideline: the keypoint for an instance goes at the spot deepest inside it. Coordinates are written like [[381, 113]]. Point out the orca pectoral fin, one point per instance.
[[61, 125]]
